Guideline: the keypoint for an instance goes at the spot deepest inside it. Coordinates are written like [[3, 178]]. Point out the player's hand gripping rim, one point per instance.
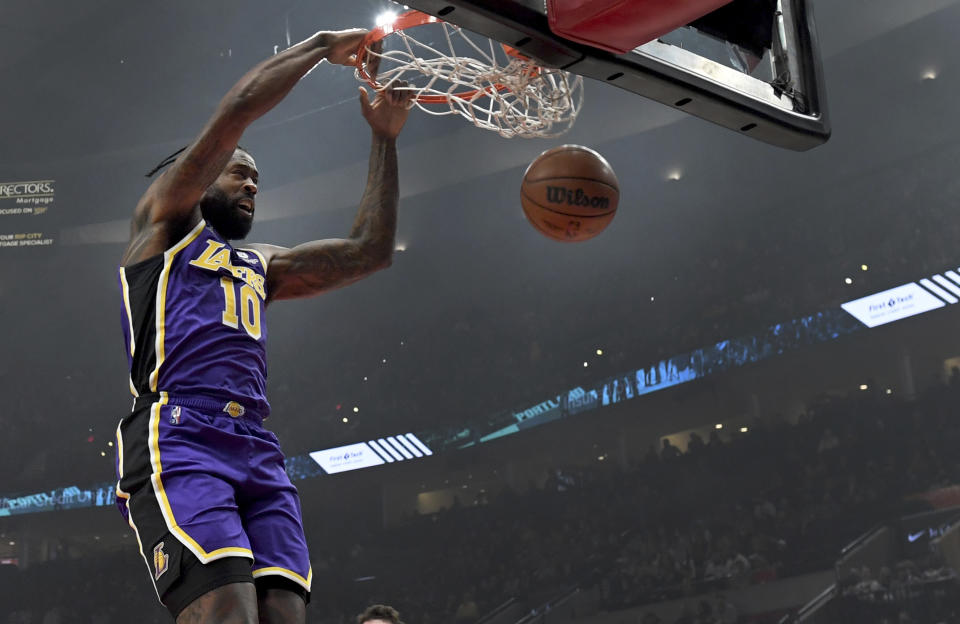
[[343, 45], [390, 107]]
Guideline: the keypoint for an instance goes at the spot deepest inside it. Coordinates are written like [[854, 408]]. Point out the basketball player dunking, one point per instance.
[[201, 481]]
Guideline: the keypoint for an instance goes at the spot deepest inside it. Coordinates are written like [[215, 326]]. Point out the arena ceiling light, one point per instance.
[[387, 17]]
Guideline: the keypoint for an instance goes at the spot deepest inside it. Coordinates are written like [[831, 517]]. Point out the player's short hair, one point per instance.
[[380, 612], [172, 158]]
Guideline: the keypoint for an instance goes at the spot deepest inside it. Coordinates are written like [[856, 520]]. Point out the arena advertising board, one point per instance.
[[350, 457], [398, 448], [905, 301], [71, 497], [917, 531], [23, 204]]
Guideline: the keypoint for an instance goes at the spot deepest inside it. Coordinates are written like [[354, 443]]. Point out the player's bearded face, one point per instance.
[[223, 212]]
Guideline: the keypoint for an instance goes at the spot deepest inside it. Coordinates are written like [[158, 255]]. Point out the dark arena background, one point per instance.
[[740, 403]]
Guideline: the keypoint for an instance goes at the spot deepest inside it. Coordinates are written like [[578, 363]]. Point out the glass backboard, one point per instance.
[[752, 66]]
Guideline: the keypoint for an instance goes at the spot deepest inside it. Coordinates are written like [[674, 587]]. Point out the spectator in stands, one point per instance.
[[828, 441], [725, 610], [705, 613], [764, 510], [868, 585], [954, 380], [652, 456], [52, 615], [468, 611], [715, 568], [379, 614], [686, 615], [904, 617], [695, 444], [668, 451]]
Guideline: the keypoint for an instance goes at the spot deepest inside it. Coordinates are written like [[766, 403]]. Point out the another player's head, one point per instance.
[[229, 203], [379, 614]]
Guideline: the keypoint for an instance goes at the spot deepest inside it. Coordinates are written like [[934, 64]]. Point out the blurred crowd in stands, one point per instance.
[[722, 515], [918, 590], [110, 588]]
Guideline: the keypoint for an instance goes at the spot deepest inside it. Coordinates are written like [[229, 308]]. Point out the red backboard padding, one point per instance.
[[619, 26]]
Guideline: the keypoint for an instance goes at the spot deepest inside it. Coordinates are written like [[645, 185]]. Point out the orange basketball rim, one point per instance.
[[412, 19]]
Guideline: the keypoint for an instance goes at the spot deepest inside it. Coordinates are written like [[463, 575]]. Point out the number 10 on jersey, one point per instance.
[[249, 314]]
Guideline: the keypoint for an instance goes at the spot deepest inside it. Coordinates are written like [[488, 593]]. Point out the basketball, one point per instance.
[[570, 193]]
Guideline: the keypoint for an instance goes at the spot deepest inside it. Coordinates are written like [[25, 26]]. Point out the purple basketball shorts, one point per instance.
[[205, 474]]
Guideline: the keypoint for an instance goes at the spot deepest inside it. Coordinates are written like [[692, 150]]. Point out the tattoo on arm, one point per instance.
[[377, 216], [323, 265]]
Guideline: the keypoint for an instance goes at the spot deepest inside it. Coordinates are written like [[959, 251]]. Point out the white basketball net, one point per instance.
[[515, 98]]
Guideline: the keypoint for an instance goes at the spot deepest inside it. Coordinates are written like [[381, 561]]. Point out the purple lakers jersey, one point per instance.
[[193, 320]]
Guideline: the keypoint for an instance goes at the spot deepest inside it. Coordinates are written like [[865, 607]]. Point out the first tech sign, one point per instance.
[[892, 305]]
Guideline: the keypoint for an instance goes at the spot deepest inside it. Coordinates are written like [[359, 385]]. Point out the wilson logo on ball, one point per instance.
[[569, 193], [562, 195]]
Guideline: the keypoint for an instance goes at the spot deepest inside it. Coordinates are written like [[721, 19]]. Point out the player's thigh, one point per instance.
[[223, 586], [235, 603], [278, 605]]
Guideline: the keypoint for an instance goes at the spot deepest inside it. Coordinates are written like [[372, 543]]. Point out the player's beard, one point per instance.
[[223, 214]]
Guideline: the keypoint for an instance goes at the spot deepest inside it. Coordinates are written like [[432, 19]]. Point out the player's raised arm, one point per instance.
[[170, 204], [322, 265]]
